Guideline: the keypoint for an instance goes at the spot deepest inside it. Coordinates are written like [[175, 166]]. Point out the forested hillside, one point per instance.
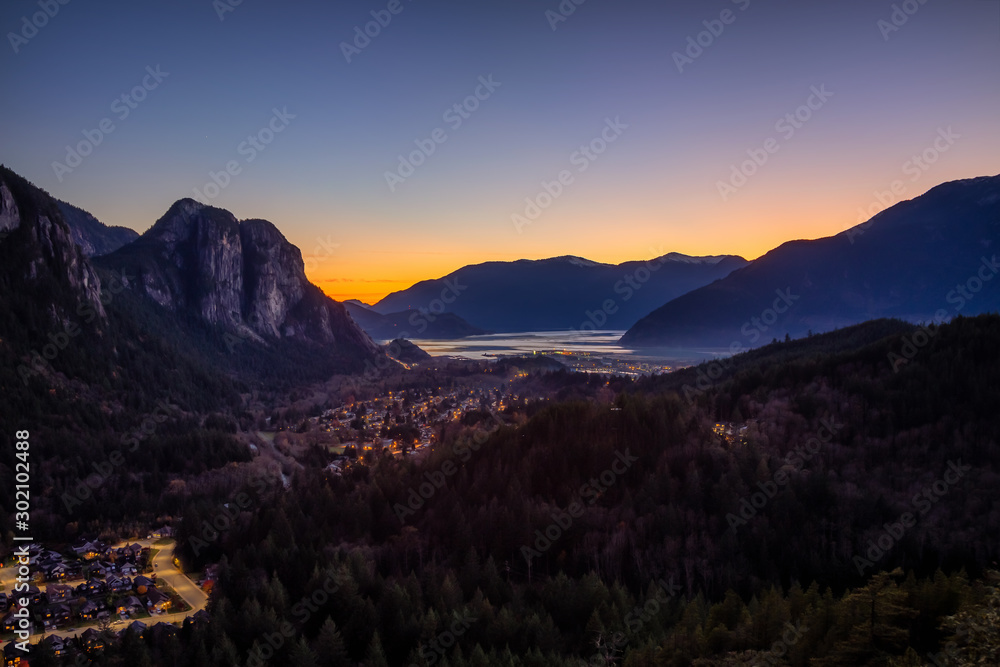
[[824, 510]]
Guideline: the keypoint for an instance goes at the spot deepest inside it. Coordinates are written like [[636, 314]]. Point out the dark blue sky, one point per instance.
[[663, 181]]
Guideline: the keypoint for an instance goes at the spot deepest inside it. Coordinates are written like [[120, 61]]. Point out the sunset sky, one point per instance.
[[887, 95]]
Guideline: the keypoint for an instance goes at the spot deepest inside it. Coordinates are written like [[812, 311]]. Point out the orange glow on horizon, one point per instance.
[[369, 282]]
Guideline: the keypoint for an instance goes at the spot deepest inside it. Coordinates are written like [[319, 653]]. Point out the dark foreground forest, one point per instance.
[[817, 502]]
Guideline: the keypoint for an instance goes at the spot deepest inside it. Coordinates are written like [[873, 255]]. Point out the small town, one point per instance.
[[400, 423]]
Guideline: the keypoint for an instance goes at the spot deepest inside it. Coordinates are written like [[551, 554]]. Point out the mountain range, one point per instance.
[[232, 295], [927, 259], [194, 309], [560, 293]]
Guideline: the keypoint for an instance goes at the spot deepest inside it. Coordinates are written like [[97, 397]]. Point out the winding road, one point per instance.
[[165, 570]]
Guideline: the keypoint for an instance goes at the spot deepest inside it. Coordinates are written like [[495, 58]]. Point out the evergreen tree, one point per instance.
[[329, 646], [376, 654], [301, 655]]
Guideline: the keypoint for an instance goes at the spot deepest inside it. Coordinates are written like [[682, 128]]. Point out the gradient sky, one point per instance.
[[655, 189]]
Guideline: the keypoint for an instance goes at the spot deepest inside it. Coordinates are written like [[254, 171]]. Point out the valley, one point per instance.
[[342, 492]]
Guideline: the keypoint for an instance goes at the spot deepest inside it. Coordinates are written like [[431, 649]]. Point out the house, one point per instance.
[[165, 531], [142, 581], [128, 605], [9, 622], [138, 627], [99, 570], [198, 618], [55, 571], [12, 655], [157, 600], [119, 585], [92, 587], [54, 614], [57, 644], [160, 633], [129, 569], [90, 609], [88, 550], [61, 613], [36, 595], [132, 551], [58, 592], [91, 640]]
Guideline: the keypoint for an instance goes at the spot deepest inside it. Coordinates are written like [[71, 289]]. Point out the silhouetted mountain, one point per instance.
[[926, 259], [560, 293], [241, 276], [198, 309], [93, 236], [77, 352], [411, 324]]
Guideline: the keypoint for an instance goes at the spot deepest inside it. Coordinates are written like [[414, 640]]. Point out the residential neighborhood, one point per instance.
[[92, 589]]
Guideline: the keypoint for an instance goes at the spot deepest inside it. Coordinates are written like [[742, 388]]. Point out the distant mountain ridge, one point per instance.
[[929, 258], [410, 324], [560, 293]]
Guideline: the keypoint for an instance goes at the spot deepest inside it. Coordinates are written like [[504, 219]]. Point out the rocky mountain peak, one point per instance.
[[242, 275]]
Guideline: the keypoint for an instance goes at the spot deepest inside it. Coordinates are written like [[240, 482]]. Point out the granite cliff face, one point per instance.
[[40, 260], [243, 276]]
